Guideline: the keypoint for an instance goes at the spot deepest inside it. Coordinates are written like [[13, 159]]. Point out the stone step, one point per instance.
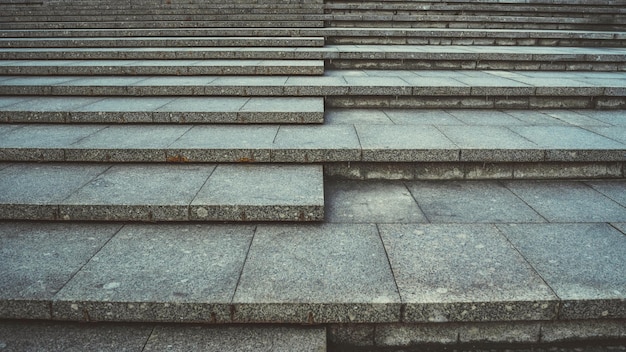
[[125, 42], [58, 336], [163, 67], [412, 57], [336, 35], [344, 273], [155, 18], [387, 144], [167, 192], [161, 110], [360, 89]]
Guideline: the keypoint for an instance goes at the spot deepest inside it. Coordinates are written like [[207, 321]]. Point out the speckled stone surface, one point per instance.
[[318, 273], [237, 339], [486, 280], [159, 273], [71, 337], [261, 192], [38, 259], [591, 283]]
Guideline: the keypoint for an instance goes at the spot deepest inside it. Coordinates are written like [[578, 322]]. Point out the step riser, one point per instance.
[[170, 42], [421, 40], [261, 70], [532, 65], [162, 24], [475, 170]]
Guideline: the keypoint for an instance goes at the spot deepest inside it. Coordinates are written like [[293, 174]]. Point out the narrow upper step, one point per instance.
[[161, 110], [366, 88], [357, 56], [173, 192]]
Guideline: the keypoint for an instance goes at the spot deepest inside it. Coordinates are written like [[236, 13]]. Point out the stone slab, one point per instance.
[[167, 273], [33, 191], [225, 144], [162, 42], [405, 143], [371, 202], [492, 144], [306, 144], [470, 202], [591, 282], [261, 193], [38, 259], [132, 143], [18, 336], [138, 193], [326, 273], [567, 201], [614, 190], [487, 280], [237, 339]]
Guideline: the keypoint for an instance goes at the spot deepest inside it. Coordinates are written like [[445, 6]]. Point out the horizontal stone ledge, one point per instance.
[[162, 42]]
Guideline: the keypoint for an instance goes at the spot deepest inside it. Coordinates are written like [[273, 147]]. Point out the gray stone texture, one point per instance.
[[371, 202], [470, 202], [331, 273], [159, 273], [237, 339], [591, 282], [486, 280], [38, 259], [20, 336]]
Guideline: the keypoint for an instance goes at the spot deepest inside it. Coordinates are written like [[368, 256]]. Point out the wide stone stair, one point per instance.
[[298, 175]]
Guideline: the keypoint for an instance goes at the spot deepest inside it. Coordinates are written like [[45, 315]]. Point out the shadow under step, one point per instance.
[[162, 110], [162, 67], [172, 192]]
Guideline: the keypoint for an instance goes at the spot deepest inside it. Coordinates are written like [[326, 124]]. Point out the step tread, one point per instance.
[[171, 192], [185, 110], [163, 67], [44, 336], [349, 136], [236, 55], [333, 83], [351, 272]]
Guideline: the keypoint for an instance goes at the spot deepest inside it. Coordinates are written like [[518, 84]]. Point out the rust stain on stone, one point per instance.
[[177, 159]]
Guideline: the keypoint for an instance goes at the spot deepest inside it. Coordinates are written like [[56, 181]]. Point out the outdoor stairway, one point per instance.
[[299, 176]]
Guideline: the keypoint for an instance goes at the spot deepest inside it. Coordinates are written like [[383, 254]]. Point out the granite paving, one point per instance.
[[44, 336], [162, 192]]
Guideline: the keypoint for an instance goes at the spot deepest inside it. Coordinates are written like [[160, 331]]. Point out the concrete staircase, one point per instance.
[[290, 175]]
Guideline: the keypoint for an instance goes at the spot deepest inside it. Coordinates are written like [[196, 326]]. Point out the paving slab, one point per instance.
[[317, 274], [129, 280], [486, 279], [225, 144], [371, 202], [34, 191], [582, 263], [237, 339], [459, 202], [137, 193], [18, 336], [567, 201], [307, 144], [614, 190], [421, 117], [38, 259], [492, 144], [133, 143], [405, 143], [261, 193]]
